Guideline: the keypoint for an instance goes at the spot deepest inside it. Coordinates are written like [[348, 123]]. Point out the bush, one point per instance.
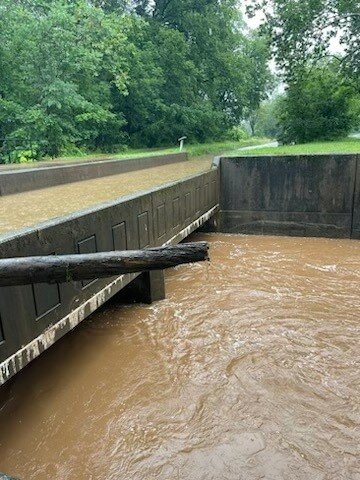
[[25, 156], [316, 107], [199, 123], [237, 134]]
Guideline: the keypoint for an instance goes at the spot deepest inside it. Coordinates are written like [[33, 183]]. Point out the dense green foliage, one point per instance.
[[316, 106], [322, 98], [103, 74], [60, 66], [302, 31], [354, 111], [320, 104]]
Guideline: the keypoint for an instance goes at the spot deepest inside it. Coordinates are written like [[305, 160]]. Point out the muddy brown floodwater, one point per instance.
[[248, 370], [29, 208]]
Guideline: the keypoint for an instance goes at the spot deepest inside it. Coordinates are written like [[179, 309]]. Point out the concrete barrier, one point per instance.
[[33, 317], [290, 195], [355, 230], [16, 181]]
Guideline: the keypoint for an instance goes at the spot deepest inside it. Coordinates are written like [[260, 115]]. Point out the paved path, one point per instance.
[[254, 147]]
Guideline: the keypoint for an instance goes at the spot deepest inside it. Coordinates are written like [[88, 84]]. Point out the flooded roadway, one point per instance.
[[248, 370], [29, 208]]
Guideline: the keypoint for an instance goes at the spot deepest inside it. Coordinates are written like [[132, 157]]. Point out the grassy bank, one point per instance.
[[218, 148], [346, 145], [195, 150], [205, 150]]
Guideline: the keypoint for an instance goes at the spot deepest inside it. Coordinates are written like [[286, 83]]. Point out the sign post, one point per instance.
[[182, 141]]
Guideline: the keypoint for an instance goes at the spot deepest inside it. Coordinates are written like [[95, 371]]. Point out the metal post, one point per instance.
[[182, 141]]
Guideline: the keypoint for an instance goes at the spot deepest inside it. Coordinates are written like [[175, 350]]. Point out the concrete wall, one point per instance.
[[355, 233], [291, 195], [16, 181], [35, 316]]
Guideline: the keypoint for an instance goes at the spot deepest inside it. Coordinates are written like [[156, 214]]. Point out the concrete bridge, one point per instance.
[[33, 317], [318, 195]]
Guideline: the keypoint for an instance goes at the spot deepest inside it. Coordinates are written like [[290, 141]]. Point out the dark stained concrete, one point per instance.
[[147, 288], [356, 207], [33, 317], [294, 195]]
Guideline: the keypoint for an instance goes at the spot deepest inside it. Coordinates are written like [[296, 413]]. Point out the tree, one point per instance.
[[192, 72], [260, 80], [213, 31], [100, 74], [59, 68], [267, 118], [300, 31], [316, 107], [118, 6], [354, 111]]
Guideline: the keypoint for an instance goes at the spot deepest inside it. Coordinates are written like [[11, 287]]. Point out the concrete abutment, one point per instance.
[[148, 287], [303, 195]]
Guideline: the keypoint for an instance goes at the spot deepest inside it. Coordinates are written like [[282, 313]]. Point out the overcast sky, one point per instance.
[[335, 47], [252, 22]]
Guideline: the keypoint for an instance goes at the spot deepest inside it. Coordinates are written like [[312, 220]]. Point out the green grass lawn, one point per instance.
[[130, 153], [195, 150], [218, 148], [346, 145], [206, 150]]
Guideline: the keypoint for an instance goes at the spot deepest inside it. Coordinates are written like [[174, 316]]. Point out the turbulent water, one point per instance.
[[248, 370]]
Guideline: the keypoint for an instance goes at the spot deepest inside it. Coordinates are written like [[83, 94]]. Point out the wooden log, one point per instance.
[[66, 268]]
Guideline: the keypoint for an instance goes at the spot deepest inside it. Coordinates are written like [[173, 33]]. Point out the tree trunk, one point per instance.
[[66, 268]]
